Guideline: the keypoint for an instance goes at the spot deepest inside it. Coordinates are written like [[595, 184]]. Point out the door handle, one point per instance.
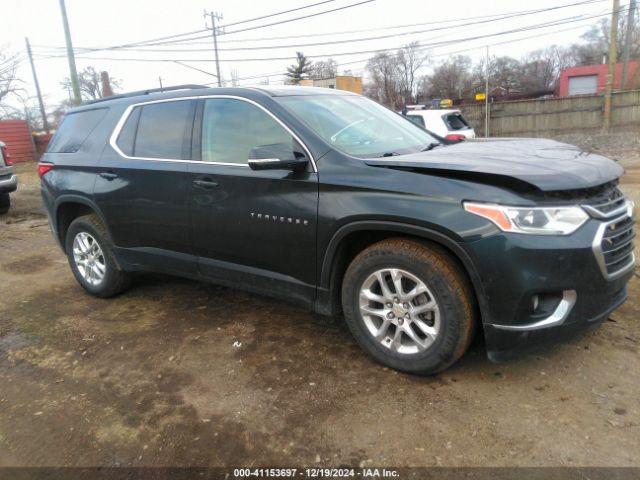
[[205, 184], [109, 175]]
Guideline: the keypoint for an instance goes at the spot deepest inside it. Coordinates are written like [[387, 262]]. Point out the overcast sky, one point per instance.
[[116, 22]]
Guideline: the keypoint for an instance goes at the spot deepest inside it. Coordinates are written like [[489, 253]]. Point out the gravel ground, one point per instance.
[[179, 373]]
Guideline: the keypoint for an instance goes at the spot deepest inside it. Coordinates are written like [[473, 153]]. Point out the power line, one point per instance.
[[364, 30], [134, 44], [278, 13], [344, 32], [300, 18], [563, 21], [444, 54], [195, 68], [363, 39], [9, 67], [149, 43], [13, 59]]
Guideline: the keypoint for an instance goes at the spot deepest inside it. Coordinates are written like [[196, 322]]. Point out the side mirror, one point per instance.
[[279, 156]]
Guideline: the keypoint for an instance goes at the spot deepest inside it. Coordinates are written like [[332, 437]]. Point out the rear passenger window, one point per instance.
[[163, 131], [75, 129]]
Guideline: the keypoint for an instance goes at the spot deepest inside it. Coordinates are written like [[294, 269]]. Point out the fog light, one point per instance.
[[544, 303], [535, 302]]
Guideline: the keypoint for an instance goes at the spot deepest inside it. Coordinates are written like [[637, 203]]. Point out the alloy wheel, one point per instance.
[[399, 310], [89, 258]]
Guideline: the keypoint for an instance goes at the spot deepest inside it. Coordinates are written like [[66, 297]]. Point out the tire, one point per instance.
[[5, 203], [89, 230], [443, 331]]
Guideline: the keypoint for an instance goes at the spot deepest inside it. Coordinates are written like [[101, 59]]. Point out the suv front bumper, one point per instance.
[[516, 268], [8, 184]]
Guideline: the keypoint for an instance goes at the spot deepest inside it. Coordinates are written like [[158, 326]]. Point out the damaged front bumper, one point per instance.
[[539, 291]]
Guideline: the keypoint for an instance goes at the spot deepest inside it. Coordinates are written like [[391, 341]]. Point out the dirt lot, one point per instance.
[[176, 372]]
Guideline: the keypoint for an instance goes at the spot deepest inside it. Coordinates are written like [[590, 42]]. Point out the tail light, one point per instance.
[[44, 168], [6, 156], [455, 137]]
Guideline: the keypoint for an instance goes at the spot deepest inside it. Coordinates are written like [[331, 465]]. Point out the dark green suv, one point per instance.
[[329, 200]]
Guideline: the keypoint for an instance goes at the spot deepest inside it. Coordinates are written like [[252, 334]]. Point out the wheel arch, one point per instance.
[[352, 238], [69, 207]]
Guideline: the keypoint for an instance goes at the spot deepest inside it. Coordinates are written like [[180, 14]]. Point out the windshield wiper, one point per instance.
[[388, 154], [431, 146]]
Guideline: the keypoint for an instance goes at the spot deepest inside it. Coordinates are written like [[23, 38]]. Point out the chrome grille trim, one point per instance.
[[600, 251], [614, 205]]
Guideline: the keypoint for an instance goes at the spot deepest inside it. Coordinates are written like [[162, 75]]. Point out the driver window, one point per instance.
[[231, 128]]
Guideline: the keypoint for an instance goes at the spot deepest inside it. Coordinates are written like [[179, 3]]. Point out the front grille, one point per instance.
[[614, 246], [607, 202]]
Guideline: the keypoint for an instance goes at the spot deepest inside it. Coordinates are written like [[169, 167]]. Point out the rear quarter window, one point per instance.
[[75, 129], [455, 121]]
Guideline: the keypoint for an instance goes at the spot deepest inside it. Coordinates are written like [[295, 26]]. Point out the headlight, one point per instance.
[[532, 220]]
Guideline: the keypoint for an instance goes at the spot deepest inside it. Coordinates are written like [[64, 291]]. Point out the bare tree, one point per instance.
[[410, 60], [540, 69], [450, 79], [504, 74], [10, 84], [595, 44], [90, 84], [384, 73], [324, 69]]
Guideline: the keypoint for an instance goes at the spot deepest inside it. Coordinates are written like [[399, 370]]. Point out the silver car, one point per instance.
[[8, 181]]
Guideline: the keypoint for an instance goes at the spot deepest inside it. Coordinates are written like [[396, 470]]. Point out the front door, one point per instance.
[[251, 228]]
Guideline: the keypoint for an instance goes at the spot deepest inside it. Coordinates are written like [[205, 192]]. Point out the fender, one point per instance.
[[73, 198], [418, 231]]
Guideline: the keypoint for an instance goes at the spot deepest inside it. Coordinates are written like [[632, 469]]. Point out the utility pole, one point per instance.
[[627, 43], [486, 96], [73, 73], [613, 57], [214, 33], [45, 124], [160, 80]]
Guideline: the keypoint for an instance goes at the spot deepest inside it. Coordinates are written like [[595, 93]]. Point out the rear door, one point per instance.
[[142, 186], [254, 228]]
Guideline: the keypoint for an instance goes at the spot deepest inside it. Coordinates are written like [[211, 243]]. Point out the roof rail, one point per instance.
[[146, 92]]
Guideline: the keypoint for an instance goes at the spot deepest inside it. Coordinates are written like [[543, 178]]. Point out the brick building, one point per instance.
[[590, 79]]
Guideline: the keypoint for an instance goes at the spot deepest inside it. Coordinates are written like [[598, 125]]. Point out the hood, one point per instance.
[[544, 164]]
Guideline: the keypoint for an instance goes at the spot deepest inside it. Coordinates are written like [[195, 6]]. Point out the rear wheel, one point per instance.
[[5, 203], [90, 254], [408, 305]]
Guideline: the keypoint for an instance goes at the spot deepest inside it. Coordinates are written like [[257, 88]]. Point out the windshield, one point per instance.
[[358, 126]]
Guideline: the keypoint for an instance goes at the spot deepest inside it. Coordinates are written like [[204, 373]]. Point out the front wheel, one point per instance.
[[409, 305], [90, 254]]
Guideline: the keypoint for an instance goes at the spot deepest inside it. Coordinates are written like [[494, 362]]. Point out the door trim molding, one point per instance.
[[125, 115]]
